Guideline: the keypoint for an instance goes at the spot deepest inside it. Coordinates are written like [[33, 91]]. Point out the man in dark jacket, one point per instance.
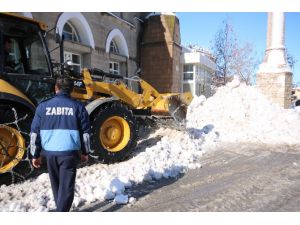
[[60, 131], [8, 60]]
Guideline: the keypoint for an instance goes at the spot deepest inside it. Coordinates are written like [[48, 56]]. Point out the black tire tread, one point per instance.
[[104, 112]]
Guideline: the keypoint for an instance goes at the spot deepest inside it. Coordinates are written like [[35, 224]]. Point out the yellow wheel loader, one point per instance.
[[113, 107]]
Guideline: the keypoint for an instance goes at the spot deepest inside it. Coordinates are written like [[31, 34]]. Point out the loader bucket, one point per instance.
[[174, 105], [177, 108], [12, 148]]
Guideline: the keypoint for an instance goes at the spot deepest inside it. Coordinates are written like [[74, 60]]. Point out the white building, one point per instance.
[[199, 68]]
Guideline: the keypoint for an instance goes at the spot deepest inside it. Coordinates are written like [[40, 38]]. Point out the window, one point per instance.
[[113, 47], [27, 57], [70, 33], [188, 72], [36, 57], [208, 78], [26, 54], [12, 56], [75, 59], [114, 68], [15, 50], [188, 87]]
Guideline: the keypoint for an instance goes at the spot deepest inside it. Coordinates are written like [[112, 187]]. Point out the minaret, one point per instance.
[[274, 77]]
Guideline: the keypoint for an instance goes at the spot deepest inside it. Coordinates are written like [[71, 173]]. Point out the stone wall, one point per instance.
[[276, 87], [160, 53]]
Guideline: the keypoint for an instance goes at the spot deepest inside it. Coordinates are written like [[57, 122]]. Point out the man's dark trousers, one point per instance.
[[62, 168]]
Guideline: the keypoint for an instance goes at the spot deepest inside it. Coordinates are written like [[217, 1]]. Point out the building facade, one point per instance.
[[124, 43], [199, 68], [108, 41]]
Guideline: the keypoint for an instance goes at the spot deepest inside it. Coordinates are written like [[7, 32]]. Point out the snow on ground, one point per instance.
[[173, 154], [235, 114]]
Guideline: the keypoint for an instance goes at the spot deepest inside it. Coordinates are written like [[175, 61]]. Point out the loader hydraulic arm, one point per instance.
[[97, 85], [95, 82]]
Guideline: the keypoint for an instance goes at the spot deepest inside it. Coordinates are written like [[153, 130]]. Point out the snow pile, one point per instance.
[[173, 154], [235, 114], [238, 113]]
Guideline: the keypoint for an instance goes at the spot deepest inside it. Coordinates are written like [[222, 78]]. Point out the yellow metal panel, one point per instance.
[[120, 91], [42, 25], [5, 87], [88, 82]]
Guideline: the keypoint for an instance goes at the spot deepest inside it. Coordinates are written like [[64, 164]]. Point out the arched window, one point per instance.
[[115, 37], [82, 27], [70, 33], [114, 66], [113, 47]]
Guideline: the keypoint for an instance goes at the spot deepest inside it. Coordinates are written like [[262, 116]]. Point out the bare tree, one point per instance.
[[231, 57], [223, 45], [244, 62], [290, 59]]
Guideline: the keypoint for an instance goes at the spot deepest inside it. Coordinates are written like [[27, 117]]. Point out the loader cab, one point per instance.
[[25, 61]]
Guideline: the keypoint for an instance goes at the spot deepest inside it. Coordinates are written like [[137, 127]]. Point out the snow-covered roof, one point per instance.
[[199, 58]]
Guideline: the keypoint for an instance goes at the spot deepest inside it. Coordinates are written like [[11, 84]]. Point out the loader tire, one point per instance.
[[14, 162], [12, 148], [114, 133]]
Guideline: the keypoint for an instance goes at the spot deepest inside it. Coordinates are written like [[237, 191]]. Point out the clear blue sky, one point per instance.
[[200, 28]]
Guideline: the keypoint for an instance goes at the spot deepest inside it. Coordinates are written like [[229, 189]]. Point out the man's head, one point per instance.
[[7, 44], [64, 84]]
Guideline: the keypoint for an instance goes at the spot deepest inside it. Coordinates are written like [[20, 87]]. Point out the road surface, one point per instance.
[[243, 177]]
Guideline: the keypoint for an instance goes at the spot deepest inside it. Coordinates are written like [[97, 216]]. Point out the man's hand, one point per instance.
[[84, 158], [37, 162]]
